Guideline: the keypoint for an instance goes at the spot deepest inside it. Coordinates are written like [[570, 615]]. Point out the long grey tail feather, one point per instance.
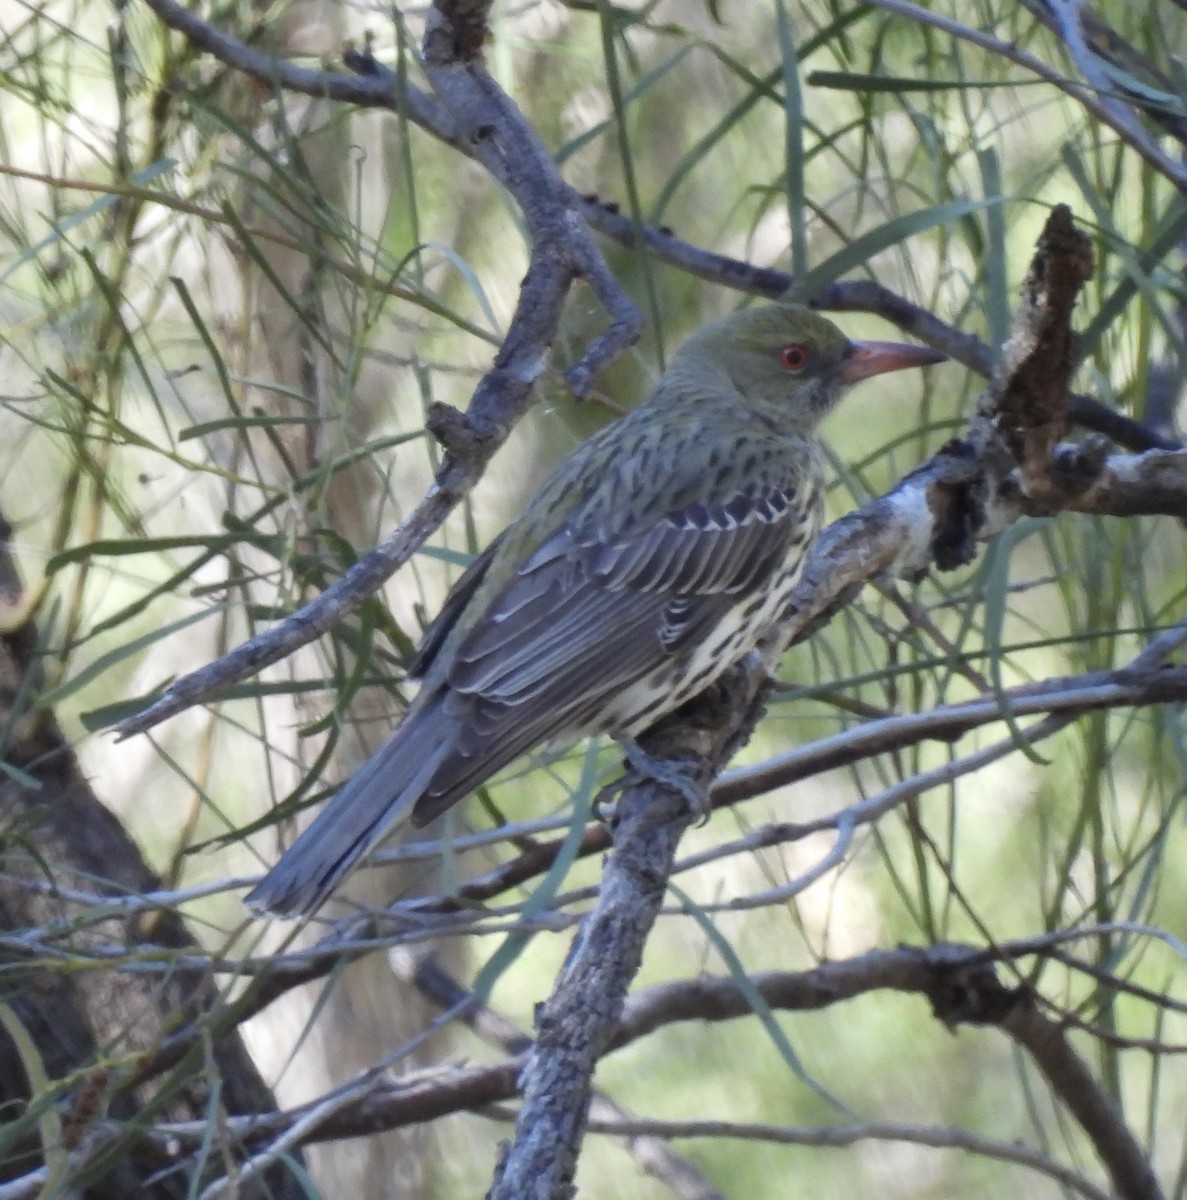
[[365, 810]]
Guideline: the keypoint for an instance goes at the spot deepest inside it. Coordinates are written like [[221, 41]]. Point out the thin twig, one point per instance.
[[836, 1136]]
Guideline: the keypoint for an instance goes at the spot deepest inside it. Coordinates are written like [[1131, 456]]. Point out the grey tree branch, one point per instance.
[[959, 981], [1061, 697], [369, 89], [653, 1154], [860, 1131], [981, 998], [578, 1019]]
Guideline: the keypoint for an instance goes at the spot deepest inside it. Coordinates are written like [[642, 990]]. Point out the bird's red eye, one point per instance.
[[793, 357]]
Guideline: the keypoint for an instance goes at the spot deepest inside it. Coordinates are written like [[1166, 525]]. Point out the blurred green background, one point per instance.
[[224, 312]]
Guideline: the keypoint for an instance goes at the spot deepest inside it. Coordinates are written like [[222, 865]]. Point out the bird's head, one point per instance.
[[791, 361]]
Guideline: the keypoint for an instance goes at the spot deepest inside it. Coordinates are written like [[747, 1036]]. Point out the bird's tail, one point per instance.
[[365, 810]]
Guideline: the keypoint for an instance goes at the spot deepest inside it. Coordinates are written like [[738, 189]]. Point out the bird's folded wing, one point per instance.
[[705, 548], [583, 612]]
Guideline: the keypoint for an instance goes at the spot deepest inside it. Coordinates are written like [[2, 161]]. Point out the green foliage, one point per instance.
[[225, 312]]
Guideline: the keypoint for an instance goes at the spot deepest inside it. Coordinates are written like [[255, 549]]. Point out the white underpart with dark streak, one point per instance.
[[731, 639]]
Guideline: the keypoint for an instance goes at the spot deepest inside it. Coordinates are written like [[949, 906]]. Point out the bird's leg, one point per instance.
[[666, 774]]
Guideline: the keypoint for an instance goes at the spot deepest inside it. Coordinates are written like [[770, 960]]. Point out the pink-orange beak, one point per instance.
[[876, 358]]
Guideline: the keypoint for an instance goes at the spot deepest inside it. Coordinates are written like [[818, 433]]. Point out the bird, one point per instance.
[[651, 560]]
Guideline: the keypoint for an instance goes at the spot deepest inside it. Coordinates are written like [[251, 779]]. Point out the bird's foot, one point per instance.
[[605, 801], [668, 774]]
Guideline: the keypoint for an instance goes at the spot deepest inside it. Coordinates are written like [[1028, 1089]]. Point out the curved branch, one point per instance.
[[958, 980], [834, 1136]]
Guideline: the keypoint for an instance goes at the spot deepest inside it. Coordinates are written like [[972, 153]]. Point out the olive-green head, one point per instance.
[[791, 361]]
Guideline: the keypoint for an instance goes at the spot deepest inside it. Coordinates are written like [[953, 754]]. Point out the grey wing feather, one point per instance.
[[705, 548], [442, 624]]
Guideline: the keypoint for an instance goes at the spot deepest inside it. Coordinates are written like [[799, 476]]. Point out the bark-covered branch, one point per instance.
[[577, 1021], [484, 120], [960, 982]]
